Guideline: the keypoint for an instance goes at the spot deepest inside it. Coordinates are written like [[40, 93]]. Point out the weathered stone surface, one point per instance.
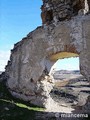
[[60, 10], [30, 64]]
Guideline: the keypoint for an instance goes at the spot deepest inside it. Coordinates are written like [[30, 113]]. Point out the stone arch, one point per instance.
[[62, 80], [27, 69], [62, 55], [68, 51]]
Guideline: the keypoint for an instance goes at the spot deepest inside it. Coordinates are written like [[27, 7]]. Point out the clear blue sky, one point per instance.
[[17, 19]]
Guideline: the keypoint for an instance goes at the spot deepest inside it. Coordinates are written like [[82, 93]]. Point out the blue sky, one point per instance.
[[17, 19], [67, 64]]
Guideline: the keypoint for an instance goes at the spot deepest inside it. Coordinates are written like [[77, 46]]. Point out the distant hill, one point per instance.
[[66, 74]]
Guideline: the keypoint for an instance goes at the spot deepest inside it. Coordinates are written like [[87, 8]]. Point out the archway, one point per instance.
[[65, 69], [60, 56], [70, 85], [31, 59]]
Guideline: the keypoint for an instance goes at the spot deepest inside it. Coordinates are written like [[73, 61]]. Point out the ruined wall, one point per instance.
[[60, 10], [29, 65]]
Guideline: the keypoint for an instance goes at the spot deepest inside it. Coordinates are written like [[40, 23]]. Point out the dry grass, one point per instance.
[[61, 83]]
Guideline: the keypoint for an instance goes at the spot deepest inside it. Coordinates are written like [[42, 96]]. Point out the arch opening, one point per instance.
[[68, 81], [65, 67], [64, 70]]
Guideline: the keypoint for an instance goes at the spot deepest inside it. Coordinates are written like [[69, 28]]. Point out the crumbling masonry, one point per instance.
[[65, 28]]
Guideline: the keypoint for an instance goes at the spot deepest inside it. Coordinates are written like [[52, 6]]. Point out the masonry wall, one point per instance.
[[60, 10], [29, 64]]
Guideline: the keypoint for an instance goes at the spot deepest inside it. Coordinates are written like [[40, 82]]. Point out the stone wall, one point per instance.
[[60, 10], [29, 65]]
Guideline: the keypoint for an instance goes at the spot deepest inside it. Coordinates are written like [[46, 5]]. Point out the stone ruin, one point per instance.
[[65, 28]]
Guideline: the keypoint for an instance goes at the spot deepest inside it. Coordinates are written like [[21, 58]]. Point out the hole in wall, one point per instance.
[[69, 82], [65, 66]]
